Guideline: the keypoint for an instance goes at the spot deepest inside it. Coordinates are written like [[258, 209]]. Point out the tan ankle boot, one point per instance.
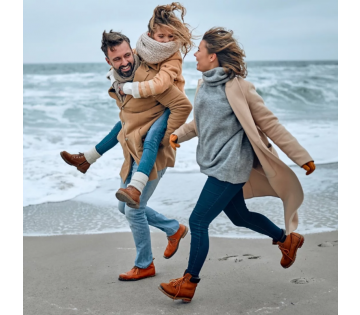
[[130, 195], [289, 247], [180, 289], [77, 160], [137, 273], [174, 241]]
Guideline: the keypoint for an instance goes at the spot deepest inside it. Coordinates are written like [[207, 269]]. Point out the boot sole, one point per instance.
[[127, 199], [61, 154], [299, 245], [182, 236], [133, 279], [185, 300]]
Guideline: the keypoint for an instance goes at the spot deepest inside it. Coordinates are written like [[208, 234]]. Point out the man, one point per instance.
[[137, 116]]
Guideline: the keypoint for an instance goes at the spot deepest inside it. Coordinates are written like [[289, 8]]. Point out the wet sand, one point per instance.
[[78, 274]]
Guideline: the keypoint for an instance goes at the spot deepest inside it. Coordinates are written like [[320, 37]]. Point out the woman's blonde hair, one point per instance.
[[231, 57], [164, 16]]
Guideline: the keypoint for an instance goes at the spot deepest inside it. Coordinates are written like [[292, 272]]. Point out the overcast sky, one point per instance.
[[70, 30]]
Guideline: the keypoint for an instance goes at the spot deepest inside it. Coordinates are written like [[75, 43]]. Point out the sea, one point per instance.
[[67, 107]]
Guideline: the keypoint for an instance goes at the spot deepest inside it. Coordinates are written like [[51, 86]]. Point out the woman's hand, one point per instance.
[[173, 142], [309, 167]]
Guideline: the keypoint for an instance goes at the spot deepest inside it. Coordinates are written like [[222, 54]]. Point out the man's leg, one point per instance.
[[139, 220], [82, 161], [131, 194]]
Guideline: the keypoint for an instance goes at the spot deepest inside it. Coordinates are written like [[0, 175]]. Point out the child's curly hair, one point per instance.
[[164, 16]]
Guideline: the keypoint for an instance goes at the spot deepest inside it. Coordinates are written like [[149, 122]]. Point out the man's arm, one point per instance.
[[180, 108]]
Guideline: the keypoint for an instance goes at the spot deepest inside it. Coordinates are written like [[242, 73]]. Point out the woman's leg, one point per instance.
[[151, 146], [239, 214], [213, 199]]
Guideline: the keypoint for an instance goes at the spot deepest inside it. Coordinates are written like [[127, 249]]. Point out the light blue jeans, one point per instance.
[[140, 219], [151, 143]]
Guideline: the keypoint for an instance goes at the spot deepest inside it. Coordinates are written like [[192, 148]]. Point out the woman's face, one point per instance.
[[205, 61]]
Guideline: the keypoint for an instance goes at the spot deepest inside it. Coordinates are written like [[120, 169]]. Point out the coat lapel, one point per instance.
[[140, 75]]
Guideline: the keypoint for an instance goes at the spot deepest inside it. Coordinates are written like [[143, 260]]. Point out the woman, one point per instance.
[[233, 124]]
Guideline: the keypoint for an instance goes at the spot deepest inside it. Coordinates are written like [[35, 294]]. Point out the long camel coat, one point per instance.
[[137, 115], [269, 176]]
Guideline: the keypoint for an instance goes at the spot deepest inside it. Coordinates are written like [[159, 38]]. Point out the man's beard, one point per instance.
[[127, 73]]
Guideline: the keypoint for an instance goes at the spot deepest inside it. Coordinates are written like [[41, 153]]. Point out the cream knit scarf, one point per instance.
[[154, 52]]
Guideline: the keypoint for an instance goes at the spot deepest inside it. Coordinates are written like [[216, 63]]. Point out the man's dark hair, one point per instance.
[[112, 39]]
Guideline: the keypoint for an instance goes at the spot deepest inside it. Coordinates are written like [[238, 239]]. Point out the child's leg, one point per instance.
[[151, 146], [104, 145]]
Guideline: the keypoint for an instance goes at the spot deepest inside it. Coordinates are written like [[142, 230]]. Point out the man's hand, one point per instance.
[[309, 167], [173, 142]]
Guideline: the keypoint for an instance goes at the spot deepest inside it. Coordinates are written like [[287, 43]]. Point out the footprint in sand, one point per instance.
[[251, 256], [328, 244], [299, 281], [227, 257]]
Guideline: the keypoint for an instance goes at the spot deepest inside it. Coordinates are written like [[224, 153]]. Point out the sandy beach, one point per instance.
[[74, 267], [78, 274]]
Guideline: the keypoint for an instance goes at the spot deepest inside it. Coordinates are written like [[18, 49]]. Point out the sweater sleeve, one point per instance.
[[271, 126], [186, 132], [169, 71]]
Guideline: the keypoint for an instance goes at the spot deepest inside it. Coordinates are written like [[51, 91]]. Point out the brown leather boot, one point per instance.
[[77, 160], [180, 289], [289, 248], [138, 273], [174, 241], [130, 195]]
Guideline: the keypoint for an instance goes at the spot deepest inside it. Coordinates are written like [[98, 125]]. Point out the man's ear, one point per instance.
[[108, 61]]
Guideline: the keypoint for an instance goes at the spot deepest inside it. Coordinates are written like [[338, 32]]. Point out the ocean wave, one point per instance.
[[67, 107]]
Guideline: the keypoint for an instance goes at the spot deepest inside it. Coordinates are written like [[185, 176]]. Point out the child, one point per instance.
[[160, 47]]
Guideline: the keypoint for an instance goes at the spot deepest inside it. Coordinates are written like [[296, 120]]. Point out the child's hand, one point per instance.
[[309, 167], [173, 142]]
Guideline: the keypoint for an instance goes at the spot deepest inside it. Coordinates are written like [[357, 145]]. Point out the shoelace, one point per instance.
[[171, 240], [176, 282], [285, 252], [136, 269], [78, 156]]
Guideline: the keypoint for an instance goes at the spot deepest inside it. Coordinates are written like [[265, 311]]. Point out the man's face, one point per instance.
[[121, 58]]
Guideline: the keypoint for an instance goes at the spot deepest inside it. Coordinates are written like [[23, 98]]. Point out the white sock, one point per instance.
[[92, 155], [139, 181]]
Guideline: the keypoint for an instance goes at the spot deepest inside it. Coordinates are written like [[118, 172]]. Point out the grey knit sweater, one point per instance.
[[223, 150]]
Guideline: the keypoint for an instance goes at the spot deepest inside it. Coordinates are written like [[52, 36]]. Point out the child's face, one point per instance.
[[163, 34]]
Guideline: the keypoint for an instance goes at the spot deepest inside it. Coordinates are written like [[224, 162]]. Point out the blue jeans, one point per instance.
[[140, 219], [215, 197], [151, 144]]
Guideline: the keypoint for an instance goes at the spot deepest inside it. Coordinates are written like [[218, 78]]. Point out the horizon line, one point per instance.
[[185, 61]]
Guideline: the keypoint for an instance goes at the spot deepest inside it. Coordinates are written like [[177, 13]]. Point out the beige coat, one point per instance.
[[270, 177], [137, 116], [169, 73]]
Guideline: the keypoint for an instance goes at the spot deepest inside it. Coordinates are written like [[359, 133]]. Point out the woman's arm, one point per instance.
[[271, 126], [186, 132], [169, 71]]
